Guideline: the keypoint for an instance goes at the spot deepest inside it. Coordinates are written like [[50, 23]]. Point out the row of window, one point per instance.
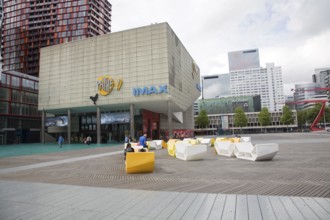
[[18, 109]]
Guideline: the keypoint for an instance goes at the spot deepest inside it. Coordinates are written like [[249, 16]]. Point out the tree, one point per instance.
[[302, 118], [202, 120], [287, 117], [264, 117], [240, 119]]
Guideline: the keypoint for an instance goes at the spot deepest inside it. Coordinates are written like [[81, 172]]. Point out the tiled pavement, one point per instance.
[[96, 187]]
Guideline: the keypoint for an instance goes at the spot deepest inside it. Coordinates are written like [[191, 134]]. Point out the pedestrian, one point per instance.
[[60, 141], [128, 148], [88, 140], [143, 141]]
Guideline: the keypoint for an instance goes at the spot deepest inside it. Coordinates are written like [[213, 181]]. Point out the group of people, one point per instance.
[[142, 142], [87, 140]]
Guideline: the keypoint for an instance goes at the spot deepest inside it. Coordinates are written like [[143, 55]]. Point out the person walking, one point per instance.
[[88, 140], [60, 141]]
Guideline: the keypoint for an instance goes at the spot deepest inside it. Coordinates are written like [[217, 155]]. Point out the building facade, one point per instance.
[[29, 25], [229, 104], [137, 81], [266, 82], [19, 116], [224, 123], [308, 92]]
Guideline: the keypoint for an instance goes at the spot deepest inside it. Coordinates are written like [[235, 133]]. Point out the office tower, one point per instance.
[[308, 92], [32, 24], [321, 75], [243, 59], [266, 82], [216, 86], [1, 19]]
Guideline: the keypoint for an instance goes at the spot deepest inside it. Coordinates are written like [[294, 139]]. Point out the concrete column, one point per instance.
[[69, 126], [169, 117], [98, 124], [132, 129], [43, 119]]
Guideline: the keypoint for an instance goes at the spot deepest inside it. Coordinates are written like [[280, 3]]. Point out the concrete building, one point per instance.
[[33, 24], [220, 123], [308, 92], [136, 81], [266, 82], [229, 104], [1, 21], [321, 76]]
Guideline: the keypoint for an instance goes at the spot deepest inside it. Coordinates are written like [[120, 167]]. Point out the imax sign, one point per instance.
[[150, 90]]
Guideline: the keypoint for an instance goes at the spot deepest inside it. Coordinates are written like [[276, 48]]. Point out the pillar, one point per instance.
[[43, 118], [169, 117], [132, 129], [98, 125], [69, 126]]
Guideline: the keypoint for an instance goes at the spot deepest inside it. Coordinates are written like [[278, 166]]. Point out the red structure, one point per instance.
[[29, 25], [322, 110]]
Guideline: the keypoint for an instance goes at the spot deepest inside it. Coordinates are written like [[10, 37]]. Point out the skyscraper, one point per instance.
[[243, 59], [32, 24]]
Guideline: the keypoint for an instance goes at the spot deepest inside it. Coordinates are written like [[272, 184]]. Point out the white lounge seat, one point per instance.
[[245, 139], [186, 151], [155, 145], [246, 151], [206, 141], [225, 148]]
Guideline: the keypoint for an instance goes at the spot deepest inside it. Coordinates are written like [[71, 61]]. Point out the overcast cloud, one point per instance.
[[293, 34]]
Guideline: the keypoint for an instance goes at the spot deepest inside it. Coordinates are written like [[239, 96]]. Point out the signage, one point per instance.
[[105, 84], [150, 90]]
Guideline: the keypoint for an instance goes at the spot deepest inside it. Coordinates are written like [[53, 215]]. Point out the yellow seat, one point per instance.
[[164, 144], [171, 147], [140, 162], [233, 140]]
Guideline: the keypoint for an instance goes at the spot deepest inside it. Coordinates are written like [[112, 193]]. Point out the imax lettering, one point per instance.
[[150, 90]]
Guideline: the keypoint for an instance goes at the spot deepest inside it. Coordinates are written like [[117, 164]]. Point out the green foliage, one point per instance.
[[287, 116], [302, 118], [264, 117], [309, 115], [240, 119], [202, 120]]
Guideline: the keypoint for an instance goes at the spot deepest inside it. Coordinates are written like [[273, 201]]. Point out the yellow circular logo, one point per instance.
[[105, 85]]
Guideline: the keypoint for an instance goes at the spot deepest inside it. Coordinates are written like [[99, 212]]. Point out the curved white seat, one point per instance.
[[224, 148], [246, 151], [185, 151]]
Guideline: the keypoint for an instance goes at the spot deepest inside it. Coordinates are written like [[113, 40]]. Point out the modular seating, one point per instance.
[[207, 141], [248, 151], [140, 162], [171, 146], [233, 140], [225, 148], [245, 139], [155, 145], [186, 151]]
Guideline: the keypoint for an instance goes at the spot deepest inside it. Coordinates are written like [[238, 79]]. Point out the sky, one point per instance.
[[293, 34]]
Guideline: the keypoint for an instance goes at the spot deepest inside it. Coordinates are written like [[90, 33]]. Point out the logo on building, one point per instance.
[[105, 84], [150, 90]]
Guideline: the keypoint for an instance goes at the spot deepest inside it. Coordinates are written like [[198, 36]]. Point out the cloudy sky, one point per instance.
[[293, 34]]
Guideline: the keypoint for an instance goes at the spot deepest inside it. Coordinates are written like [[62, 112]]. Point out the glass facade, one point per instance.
[[19, 114], [32, 24]]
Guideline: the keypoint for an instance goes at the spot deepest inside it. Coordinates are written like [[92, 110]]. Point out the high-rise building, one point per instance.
[[321, 76], [1, 19], [243, 59], [266, 82], [29, 25], [308, 92]]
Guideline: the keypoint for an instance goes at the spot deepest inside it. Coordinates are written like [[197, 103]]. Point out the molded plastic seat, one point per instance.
[[225, 148], [140, 162], [171, 146], [186, 151], [246, 151], [155, 145]]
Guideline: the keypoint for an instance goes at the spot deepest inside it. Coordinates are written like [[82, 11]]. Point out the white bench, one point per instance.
[[155, 145], [245, 139], [246, 151], [206, 141], [225, 148], [185, 151]]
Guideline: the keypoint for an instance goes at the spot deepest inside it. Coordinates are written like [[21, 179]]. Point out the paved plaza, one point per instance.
[[92, 184]]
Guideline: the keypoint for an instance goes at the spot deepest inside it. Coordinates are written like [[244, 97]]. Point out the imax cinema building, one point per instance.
[[136, 81]]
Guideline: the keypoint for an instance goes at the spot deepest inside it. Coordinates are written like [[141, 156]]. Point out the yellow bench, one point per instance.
[[140, 162], [232, 140], [171, 147]]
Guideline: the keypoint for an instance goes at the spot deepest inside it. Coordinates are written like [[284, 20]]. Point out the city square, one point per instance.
[[295, 184]]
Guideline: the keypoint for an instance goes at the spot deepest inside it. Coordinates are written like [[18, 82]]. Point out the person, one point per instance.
[[143, 140], [128, 148], [88, 140], [128, 139], [60, 141]]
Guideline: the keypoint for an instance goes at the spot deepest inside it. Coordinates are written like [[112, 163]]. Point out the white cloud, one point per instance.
[[293, 34]]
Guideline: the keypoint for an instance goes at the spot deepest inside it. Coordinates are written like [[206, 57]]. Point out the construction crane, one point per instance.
[[322, 110]]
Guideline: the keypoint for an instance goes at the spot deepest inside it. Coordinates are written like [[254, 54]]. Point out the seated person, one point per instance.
[[128, 148], [143, 141]]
